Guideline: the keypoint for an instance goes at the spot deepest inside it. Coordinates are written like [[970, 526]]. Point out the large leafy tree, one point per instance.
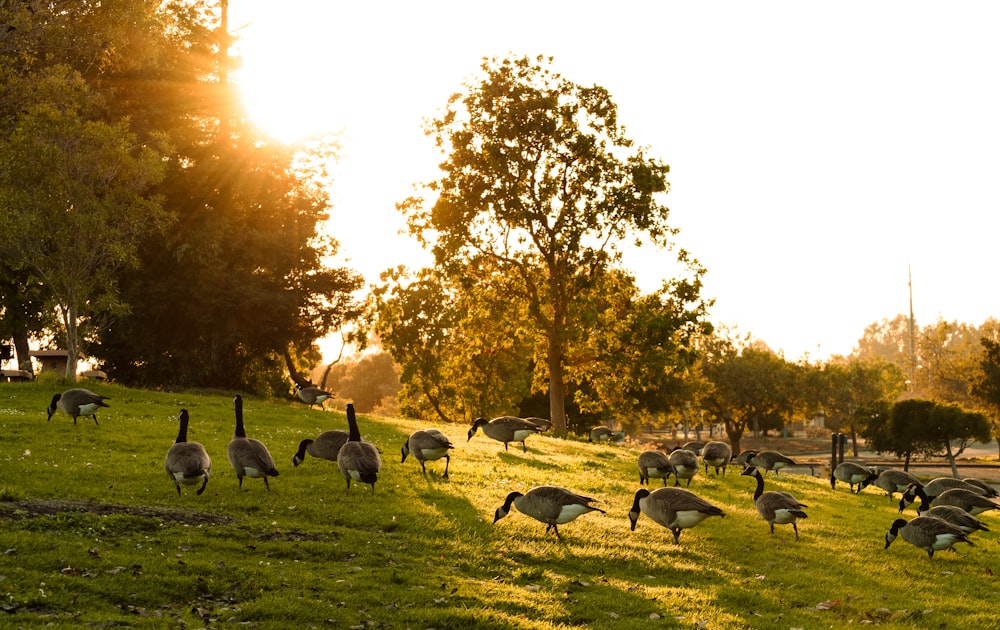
[[69, 164], [746, 388], [855, 389], [75, 194], [920, 426], [540, 183], [461, 352], [236, 290], [987, 384]]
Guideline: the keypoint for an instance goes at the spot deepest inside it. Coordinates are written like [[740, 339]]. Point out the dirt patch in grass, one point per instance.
[[31, 508]]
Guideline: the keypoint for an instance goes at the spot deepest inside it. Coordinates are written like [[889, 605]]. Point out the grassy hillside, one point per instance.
[[92, 532]]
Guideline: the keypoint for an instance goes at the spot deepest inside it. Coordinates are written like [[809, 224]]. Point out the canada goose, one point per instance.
[[674, 508], [957, 517], [551, 505], [654, 464], [930, 491], [892, 480], [694, 447], [505, 429], [249, 457], [926, 532], [541, 423], [743, 457], [187, 462], [77, 402], [358, 460], [852, 474], [326, 446], [685, 465], [771, 460], [971, 502], [775, 506], [988, 491], [600, 434], [427, 445], [718, 455], [311, 395]]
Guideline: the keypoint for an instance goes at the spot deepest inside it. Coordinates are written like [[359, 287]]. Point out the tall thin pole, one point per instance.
[[913, 331]]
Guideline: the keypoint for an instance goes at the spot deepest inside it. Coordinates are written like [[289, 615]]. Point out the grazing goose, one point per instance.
[[77, 402], [551, 505], [654, 464], [930, 491], [852, 474], [743, 457], [506, 429], [249, 457], [972, 502], [893, 480], [957, 517], [312, 395], [771, 460], [358, 460], [674, 508], [541, 423], [775, 507], [326, 446], [926, 532], [685, 465], [427, 445], [694, 447], [718, 455], [187, 462], [600, 434], [988, 491]]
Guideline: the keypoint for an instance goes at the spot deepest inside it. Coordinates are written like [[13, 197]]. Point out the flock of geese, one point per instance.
[[188, 463], [947, 522], [946, 514]]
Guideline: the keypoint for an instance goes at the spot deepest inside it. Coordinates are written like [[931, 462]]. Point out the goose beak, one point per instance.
[[633, 517]]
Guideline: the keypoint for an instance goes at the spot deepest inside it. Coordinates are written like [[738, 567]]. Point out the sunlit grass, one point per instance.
[[423, 551]]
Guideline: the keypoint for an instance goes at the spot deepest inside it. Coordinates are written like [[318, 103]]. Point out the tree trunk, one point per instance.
[[906, 462], [854, 441], [290, 365], [951, 458], [557, 388], [72, 342], [22, 348], [735, 434]]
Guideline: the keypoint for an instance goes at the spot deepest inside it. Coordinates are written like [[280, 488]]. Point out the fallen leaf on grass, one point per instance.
[[828, 604]]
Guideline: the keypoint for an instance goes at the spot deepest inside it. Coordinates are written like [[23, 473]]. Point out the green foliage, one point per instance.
[[370, 381], [746, 388], [94, 533], [538, 189], [918, 426], [239, 279]]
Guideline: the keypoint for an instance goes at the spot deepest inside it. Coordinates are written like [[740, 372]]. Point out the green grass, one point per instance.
[[92, 533]]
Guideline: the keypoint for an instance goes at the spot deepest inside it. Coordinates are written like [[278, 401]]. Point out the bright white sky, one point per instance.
[[817, 149]]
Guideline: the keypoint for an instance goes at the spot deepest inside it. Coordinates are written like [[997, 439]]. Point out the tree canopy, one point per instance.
[[541, 186], [232, 291]]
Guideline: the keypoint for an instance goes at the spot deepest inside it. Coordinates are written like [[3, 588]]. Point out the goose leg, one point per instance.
[[447, 462]]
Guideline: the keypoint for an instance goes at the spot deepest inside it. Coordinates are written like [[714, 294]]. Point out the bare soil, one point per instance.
[[37, 507]]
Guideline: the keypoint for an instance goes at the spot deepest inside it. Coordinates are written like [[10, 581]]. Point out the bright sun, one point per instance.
[[285, 78]]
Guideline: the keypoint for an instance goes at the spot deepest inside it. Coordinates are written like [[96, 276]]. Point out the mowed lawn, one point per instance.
[[94, 534]]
